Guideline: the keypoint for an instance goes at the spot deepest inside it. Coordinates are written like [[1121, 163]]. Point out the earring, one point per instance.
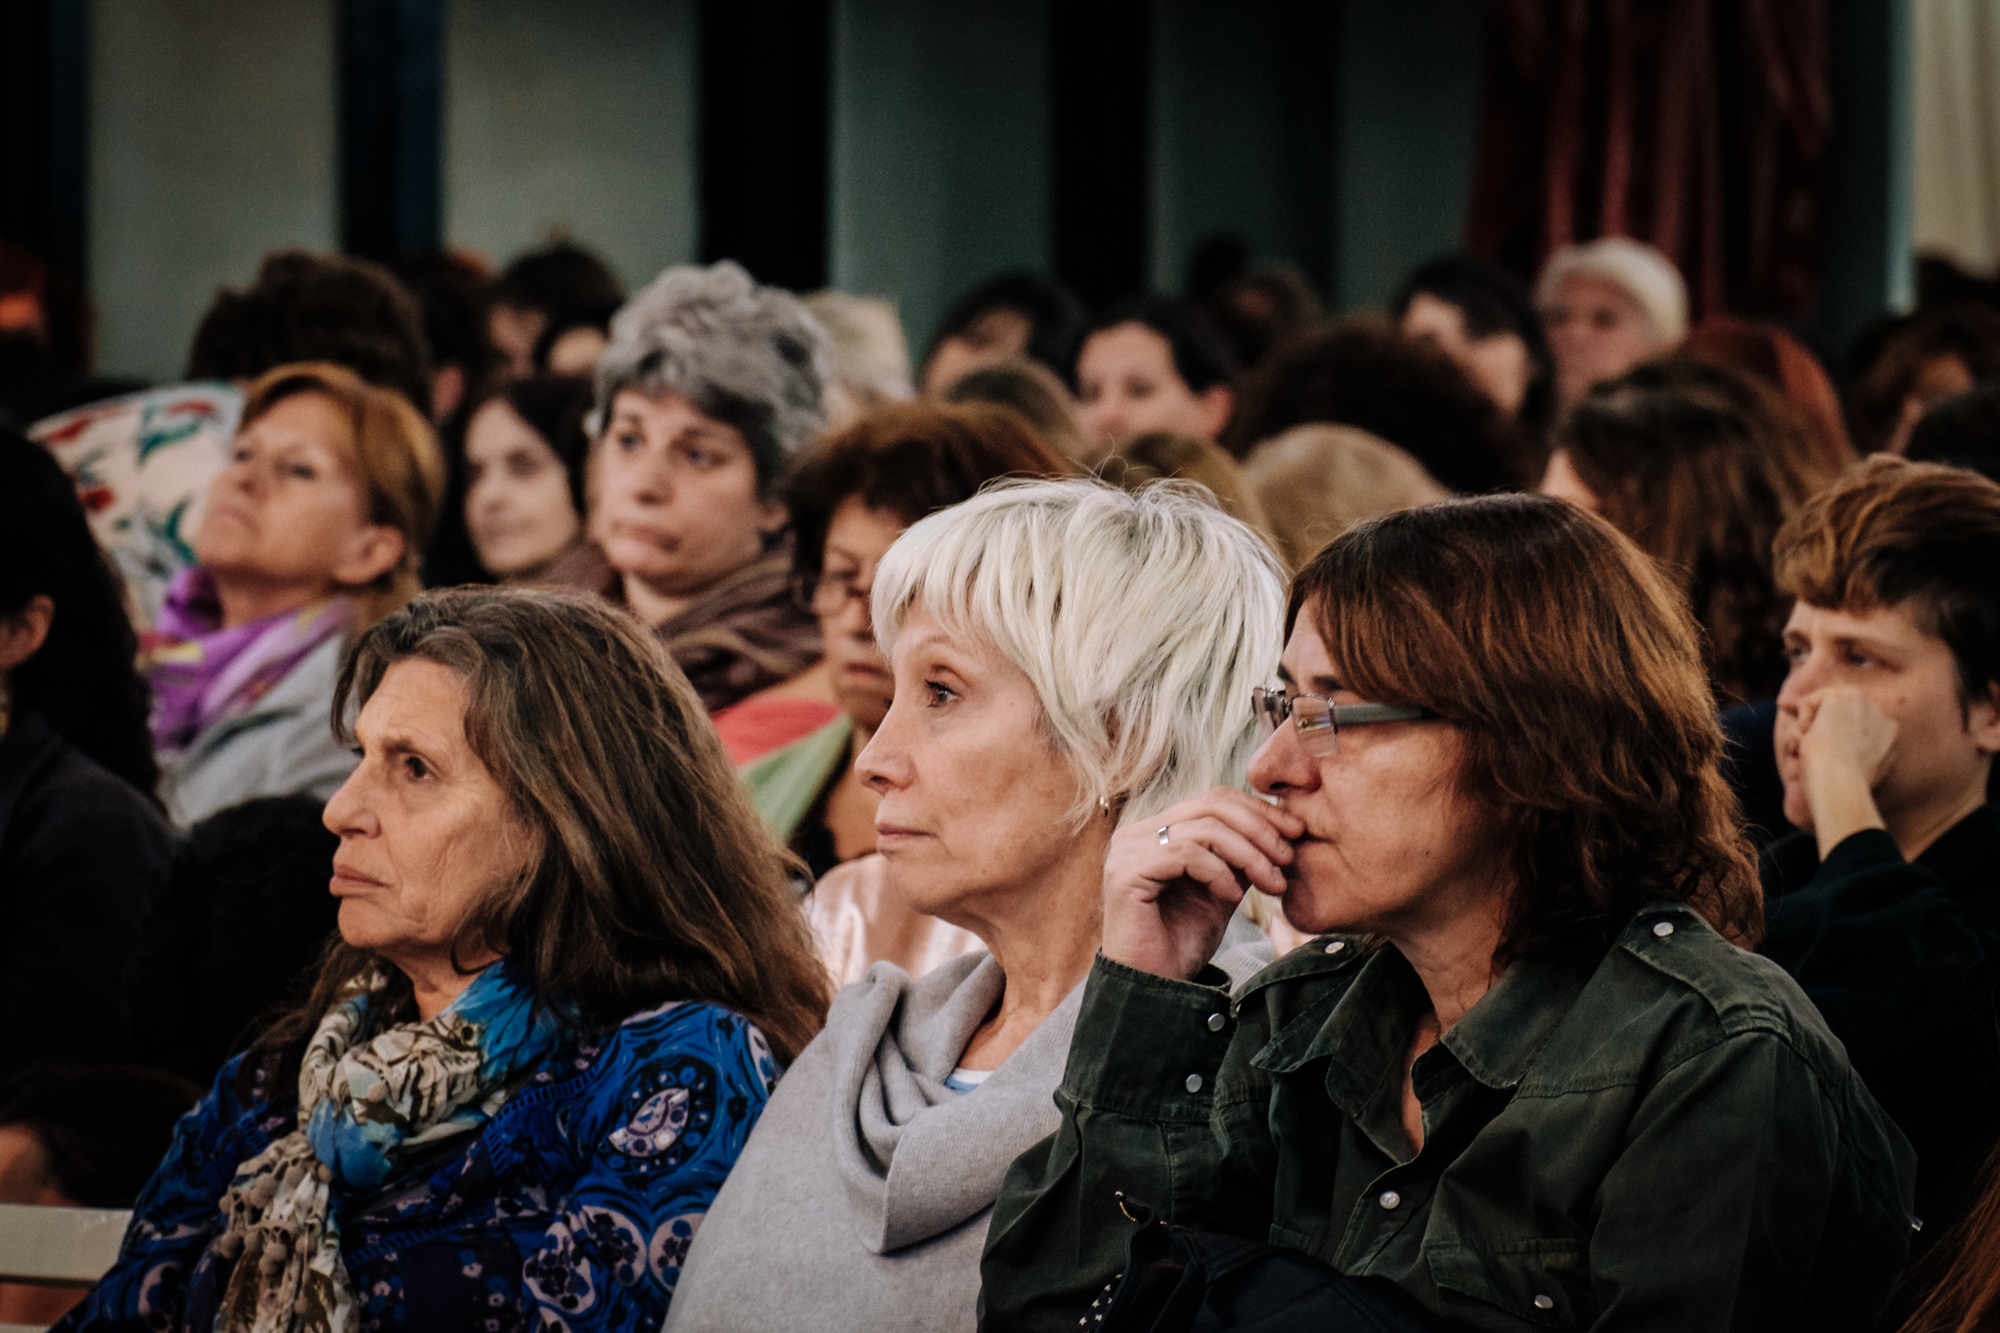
[[1104, 804]]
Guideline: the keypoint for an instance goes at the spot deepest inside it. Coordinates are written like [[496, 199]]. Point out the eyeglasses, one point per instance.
[[828, 594], [1318, 721]]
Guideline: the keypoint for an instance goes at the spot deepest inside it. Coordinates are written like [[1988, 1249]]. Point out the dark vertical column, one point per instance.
[[765, 137], [1308, 56], [1102, 70], [44, 61], [1866, 238], [391, 74]]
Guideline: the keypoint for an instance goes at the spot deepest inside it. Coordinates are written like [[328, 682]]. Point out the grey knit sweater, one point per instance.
[[862, 1198]]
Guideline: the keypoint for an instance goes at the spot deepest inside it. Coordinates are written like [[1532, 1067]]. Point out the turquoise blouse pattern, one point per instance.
[[572, 1209]]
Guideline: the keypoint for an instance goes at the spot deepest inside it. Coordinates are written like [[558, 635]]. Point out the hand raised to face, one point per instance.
[[1172, 883]]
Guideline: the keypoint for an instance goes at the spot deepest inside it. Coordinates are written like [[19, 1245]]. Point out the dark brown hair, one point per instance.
[[1363, 372], [1700, 465], [306, 306], [1899, 354], [909, 459], [395, 456], [1572, 670], [1897, 533], [656, 879]]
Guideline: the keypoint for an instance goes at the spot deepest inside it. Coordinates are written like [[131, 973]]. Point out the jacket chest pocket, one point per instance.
[[1541, 1283]]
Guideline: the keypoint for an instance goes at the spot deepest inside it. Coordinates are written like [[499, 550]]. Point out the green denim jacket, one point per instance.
[[1664, 1137]]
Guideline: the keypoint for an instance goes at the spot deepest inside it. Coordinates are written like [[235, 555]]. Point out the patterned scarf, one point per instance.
[[361, 1108], [203, 674]]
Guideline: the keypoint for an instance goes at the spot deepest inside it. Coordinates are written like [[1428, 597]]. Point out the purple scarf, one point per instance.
[[203, 674]]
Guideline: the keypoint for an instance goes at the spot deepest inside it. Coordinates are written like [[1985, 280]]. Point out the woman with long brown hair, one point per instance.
[[1700, 466], [1526, 1075], [569, 966]]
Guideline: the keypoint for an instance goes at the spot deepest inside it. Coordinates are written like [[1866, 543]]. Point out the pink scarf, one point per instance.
[[203, 674]]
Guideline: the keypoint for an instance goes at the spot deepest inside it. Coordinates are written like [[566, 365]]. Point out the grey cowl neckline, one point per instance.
[[915, 1157]]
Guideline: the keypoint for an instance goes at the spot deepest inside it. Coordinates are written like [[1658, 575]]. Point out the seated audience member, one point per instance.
[[144, 463], [570, 967], [1153, 367], [1784, 365], [1068, 658], [1886, 907], [1958, 1284], [850, 497], [1607, 306], [236, 935], [1699, 466], [81, 1137], [1961, 432], [1363, 373], [83, 846], [710, 385], [314, 530], [1481, 317], [1163, 456], [1253, 309], [525, 449], [542, 295], [869, 355], [450, 288], [1018, 314], [1913, 364], [1315, 482], [1036, 393], [1528, 1076]]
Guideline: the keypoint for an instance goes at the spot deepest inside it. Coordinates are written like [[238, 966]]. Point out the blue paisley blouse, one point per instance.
[[571, 1209]]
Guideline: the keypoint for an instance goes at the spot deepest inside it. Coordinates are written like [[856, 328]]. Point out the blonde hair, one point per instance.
[[1633, 267], [1313, 483], [1143, 621], [869, 355], [396, 458]]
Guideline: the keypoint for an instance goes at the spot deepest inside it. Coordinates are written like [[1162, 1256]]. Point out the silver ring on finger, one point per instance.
[[1163, 833]]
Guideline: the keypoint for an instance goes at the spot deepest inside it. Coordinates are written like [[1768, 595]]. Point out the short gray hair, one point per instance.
[[745, 354], [1143, 620]]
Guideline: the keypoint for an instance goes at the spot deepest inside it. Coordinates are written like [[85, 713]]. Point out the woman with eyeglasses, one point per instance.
[[1526, 1075]]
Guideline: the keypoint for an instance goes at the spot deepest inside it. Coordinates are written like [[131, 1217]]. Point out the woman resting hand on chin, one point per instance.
[[1528, 1077], [569, 967]]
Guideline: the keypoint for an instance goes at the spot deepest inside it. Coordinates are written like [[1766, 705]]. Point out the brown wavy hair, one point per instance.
[[656, 880], [1701, 466], [1573, 671]]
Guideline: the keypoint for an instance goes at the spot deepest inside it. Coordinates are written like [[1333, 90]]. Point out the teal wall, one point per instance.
[[1219, 134], [576, 118], [1867, 245], [940, 168], [211, 141], [1407, 118]]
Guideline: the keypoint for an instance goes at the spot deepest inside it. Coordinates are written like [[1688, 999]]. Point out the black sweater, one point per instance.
[[1902, 958], [82, 854]]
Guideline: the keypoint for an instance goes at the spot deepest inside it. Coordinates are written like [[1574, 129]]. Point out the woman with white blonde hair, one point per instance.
[[1607, 306], [1068, 658]]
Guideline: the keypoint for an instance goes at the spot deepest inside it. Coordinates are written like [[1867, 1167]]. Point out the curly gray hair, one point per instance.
[[745, 354]]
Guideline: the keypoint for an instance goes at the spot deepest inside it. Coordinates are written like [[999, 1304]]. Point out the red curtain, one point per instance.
[[1697, 125]]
